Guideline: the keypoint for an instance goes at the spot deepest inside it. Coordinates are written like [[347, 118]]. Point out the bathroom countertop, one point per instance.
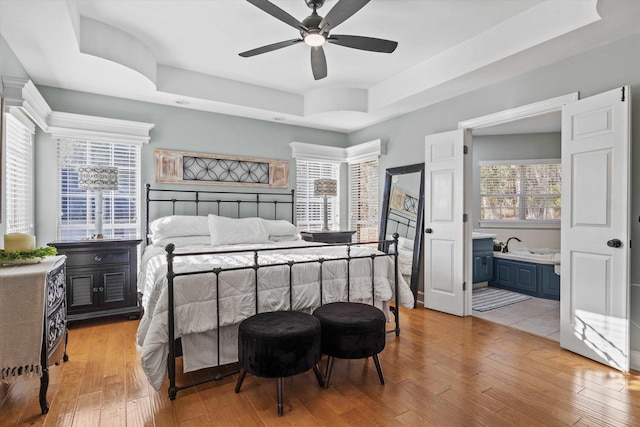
[[477, 235]]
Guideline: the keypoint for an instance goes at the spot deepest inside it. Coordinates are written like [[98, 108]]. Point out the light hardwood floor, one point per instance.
[[442, 370]]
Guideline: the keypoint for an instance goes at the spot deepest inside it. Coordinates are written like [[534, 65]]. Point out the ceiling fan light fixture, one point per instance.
[[314, 39]]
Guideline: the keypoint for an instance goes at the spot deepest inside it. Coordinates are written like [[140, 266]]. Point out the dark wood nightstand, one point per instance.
[[327, 236], [101, 277]]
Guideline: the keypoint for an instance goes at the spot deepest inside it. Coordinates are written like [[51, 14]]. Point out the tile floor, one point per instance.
[[536, 315]]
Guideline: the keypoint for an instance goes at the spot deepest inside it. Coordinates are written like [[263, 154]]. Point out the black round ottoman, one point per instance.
[[351, 330], [278, 344]]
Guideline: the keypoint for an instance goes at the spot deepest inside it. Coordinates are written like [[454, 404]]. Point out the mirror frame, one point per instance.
[[417, 242]]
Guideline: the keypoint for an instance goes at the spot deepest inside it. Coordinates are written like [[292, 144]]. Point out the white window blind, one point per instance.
[[309, 208], [19, 176], [77, 207], [363, 200], [520, 192]]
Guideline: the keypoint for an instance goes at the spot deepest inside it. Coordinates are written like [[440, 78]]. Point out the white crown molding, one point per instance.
[[23, 96], [70, 125], [366, 151], [305, 151], [529, 110], [356, 153], [23, 93], [19, 114]]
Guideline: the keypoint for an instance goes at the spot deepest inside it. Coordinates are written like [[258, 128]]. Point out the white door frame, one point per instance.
[[530, 110]]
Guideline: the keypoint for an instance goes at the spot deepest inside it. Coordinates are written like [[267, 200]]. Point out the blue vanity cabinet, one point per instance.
[[549, 282], [538, 280], [526, 278], [482, 260], [504, 274]]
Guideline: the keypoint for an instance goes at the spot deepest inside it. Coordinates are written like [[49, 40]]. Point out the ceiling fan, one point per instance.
[[314, 31]]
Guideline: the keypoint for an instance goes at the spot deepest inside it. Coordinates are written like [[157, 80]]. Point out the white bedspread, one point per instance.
[[195, 296]]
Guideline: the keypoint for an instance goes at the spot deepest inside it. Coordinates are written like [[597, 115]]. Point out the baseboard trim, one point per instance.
[[420, 298]]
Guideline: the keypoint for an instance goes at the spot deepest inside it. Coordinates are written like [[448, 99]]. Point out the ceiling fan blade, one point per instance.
[[318, 63], [342, 11], [364, 43], [269, 48], [278, 13]]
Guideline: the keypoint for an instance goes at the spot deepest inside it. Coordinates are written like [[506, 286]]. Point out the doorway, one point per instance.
[[521, 158], [594, 311]]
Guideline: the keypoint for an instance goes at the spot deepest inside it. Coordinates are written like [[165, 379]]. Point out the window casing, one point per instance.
[[363, 200], [121, 207], [18, 176], [310, 208], [512, 191]]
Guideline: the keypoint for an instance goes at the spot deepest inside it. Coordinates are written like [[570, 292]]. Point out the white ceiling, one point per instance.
[[186, 51]]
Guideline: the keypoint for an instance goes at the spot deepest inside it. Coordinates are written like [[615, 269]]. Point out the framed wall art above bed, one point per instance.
[[182, 167]]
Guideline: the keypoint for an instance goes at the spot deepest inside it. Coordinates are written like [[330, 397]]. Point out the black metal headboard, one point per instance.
[[235, 204], [404, 226]]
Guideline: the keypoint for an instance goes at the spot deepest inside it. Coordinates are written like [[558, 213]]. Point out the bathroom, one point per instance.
[[529, 224]]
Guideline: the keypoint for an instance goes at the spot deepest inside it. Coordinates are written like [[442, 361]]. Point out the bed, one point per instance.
[[405, 226], [204, 272]]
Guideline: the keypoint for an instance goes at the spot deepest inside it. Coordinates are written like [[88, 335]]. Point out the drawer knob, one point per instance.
[[95, 289], [98, 258]]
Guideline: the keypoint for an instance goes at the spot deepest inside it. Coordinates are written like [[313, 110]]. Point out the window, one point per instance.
[[520, 191], [363, 200], [309, 208], [19, 176], [120, 207]]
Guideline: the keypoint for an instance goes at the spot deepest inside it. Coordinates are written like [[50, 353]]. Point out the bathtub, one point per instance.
[[537, 256]]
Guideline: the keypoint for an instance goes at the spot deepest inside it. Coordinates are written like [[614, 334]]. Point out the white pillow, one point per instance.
[[178, 226], [279, 227], [232, 231], [181, 241], [403, 242]]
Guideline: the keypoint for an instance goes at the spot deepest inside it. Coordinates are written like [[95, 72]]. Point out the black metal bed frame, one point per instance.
[[240, 198], [402, 221]]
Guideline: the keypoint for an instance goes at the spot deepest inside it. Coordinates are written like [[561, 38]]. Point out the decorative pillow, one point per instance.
[[178, 226], [279, 227], [232, 231]]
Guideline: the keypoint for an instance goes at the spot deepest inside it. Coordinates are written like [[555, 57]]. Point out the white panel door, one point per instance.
[[444, 243], [594, 290]]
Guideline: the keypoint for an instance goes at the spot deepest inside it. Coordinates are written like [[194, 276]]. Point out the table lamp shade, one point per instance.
[[325, 187], [95, 177], [98, 178]]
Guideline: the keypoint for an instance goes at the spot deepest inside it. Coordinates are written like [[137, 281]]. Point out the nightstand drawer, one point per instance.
[[93, 258]]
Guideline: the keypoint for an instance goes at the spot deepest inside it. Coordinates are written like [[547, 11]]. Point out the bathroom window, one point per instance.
[[520, 191]]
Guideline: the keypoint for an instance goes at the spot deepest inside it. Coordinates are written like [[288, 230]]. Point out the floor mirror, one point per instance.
[[403, 213]]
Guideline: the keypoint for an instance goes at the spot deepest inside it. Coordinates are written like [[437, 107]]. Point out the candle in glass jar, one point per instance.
[[19, 242]]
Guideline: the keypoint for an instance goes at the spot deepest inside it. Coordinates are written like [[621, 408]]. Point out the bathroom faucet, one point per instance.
[[505, 249]]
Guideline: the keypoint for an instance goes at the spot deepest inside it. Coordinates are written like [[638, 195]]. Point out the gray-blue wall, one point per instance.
[[175, 128], [596, 71], [599, 70]]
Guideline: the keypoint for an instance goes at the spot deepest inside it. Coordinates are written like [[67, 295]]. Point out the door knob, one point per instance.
[[428, 231], [614, 243]]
